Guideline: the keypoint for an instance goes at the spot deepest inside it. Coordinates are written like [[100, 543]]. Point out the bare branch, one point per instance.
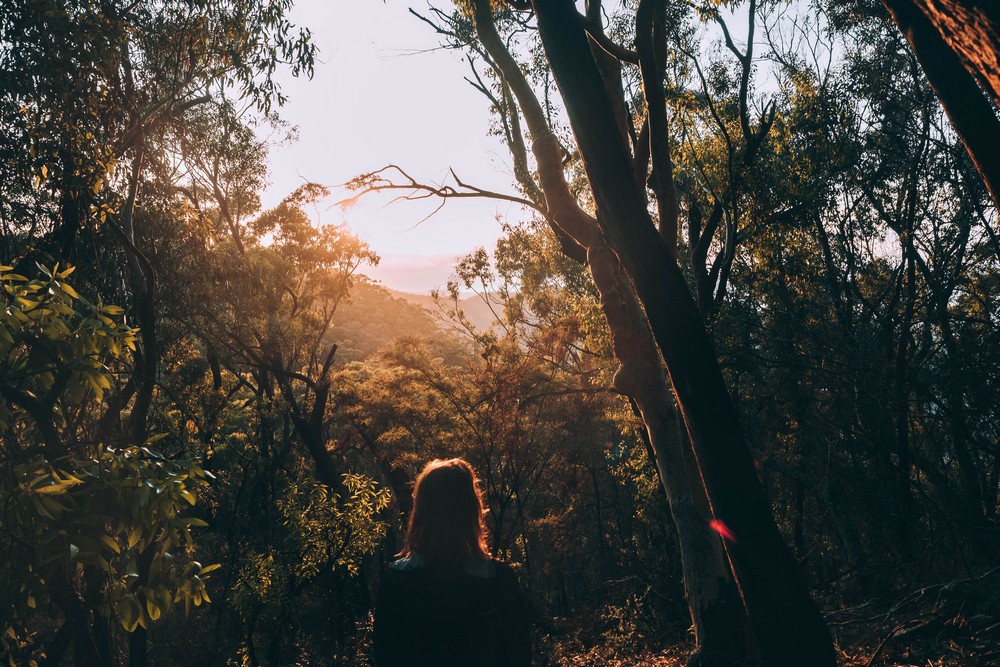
[[382, 180]]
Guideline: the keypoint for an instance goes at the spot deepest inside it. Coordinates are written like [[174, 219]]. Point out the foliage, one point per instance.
[[323, 534], [68, 514], [54, 347], [332, 532], [88, 84], [103, 512]]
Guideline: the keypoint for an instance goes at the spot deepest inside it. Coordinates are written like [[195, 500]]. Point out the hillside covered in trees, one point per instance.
[[730, 380]]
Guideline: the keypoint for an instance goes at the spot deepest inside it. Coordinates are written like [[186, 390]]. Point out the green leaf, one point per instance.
[[129, 610], [111, 543]]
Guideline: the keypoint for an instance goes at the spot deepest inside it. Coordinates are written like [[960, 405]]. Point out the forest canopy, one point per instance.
[[730, 377]]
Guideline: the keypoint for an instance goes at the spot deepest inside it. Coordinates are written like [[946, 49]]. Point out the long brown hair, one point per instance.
[[447, 523]]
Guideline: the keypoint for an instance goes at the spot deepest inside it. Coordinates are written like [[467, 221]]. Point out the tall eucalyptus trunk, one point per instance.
[[713, 598], [786, 622]]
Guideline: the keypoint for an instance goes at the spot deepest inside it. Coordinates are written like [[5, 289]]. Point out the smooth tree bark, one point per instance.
[[713, 598], [787, 624]]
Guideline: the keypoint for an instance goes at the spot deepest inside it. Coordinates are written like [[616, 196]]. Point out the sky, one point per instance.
[[384, 92]]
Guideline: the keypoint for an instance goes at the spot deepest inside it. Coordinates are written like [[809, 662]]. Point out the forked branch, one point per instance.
[[394, 178]]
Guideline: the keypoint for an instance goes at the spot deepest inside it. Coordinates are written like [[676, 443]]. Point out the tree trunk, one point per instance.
[[311, 431], [713, 599], [147, 357], [788, 625], [716, 610], [138, 640], [958, 45], [903, 491], [66, 597], [971, 29]]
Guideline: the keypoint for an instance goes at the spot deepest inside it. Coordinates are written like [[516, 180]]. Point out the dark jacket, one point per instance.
[[428, 615]]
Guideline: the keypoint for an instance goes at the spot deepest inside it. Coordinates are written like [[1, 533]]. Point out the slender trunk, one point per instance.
[[85, 651], [602, 544], [215, 364], [713, 599], [311, 431], [649, 20], [138, 641], [973, 480], [308, 422], [94, 581], [788, 626], [974, 503], [847, 531], [904, 498], [831, 499], [73, 205], [611, 73], [147, 358]]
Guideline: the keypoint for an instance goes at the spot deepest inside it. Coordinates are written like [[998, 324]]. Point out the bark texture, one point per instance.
[[971, 28], [958, 45]]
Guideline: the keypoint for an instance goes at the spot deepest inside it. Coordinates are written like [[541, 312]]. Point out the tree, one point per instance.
[[717, 616], [786, 622], [90, 84]]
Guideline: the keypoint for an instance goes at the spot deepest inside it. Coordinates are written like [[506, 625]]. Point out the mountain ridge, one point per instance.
[[474, 306]]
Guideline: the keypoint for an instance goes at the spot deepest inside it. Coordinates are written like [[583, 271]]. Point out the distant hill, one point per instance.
[[375, 316], [475, 308]]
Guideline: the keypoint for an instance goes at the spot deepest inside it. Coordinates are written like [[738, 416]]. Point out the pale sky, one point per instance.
[[384, 92]]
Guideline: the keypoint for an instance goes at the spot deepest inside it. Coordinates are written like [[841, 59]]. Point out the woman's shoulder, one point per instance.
[[477, 568], [407, 563]]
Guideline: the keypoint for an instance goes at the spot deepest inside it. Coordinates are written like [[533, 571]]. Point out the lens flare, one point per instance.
[[722, 529]]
